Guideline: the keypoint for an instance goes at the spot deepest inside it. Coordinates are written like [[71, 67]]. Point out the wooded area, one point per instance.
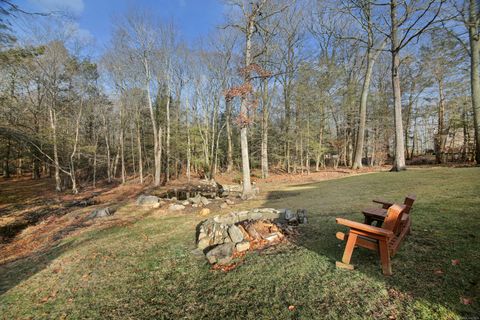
[[283, 85]]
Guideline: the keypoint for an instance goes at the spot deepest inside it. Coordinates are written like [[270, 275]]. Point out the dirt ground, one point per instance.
[[33, 217]]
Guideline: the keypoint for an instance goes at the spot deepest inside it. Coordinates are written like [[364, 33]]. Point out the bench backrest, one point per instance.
[[409, 200], [394, 215]]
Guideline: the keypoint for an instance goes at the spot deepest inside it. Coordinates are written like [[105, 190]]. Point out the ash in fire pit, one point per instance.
[[223, 236]]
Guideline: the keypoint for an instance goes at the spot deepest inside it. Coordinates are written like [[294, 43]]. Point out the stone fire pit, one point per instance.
[[222, 236]]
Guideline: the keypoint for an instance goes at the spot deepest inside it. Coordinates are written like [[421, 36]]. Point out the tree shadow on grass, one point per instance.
[[422, 268], [13, 273]]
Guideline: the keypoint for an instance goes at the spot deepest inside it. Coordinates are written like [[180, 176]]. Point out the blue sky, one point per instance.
[[195, 18]]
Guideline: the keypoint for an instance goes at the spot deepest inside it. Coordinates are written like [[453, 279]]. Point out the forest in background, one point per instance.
[[284, 85]]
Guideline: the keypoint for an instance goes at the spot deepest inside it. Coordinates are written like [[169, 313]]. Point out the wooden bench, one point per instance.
[[384, 240]]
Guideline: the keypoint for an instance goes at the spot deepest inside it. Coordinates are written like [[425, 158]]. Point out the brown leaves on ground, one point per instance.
[[455, 262], [51, 296], [237, 256], [26, 196], [466, 300]]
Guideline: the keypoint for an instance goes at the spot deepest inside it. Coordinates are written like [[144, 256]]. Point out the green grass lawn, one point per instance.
[[146, 270]]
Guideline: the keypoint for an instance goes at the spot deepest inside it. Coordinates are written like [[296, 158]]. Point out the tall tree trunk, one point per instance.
[[72, 156], [228, 109], [122, 144], [408, 119], [320, 142], [399, 162], [474, 75], [286, 97], [247, 187], [441, 138], [139, 146], [132, 152], [264, 143], [157, 150], [357, 162], [167, 147], [213, 163], [189, 147], [107, 147], [465, 132], [6, 161], [95, 162], [53, 126], [35, 153]]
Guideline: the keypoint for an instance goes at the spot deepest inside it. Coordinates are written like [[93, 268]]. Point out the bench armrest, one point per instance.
[[386, 204], [365, 227]]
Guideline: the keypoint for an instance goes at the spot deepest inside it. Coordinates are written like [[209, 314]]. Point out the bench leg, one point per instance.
[[347, 254], [385, 258]]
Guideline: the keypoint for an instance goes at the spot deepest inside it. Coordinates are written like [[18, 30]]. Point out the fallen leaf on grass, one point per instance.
[[438, 272], [225, 268], [465, 300], [52, 295], [291, 308], [455, 262]]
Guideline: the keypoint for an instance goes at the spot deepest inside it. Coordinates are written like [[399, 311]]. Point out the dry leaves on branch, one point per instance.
[[253, 67], [466, 300]]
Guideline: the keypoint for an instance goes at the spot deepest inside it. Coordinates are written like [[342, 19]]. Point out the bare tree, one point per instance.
[[407, 22]]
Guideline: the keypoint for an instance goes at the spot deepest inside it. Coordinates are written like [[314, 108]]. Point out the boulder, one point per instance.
[[176, 207], [235, 234], [229, 202], [185, 203], [204, 201], [302, 215], [242, 246], [148, 201], [203, 243], [290, 216], [204, 212], [195, 200], [100, 213], [221, 254], [224, 206], [273, 237]]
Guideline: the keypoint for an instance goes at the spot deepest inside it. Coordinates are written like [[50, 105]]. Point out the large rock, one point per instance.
[[302, 215], [203, 243], [100, 213], [235, 234], [148, 201], [196, 200], [204, 201], [290, 216], [242, 246], [176, 207], [204, 212], [223, 206], [221, 254]]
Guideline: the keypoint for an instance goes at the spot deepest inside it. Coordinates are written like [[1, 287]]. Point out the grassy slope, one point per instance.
[[146, 269]]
